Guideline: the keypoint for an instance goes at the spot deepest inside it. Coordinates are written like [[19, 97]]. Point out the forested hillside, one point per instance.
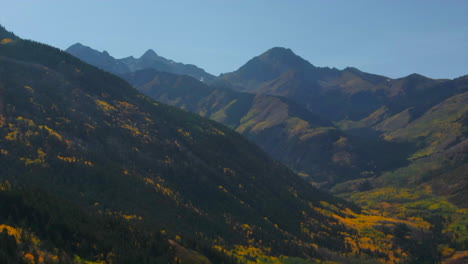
[[80, 137], [397, 147]]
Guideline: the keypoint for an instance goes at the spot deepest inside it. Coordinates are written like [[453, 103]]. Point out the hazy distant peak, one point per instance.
[[280, 51], [269, 65], [416, 76], [352, 69], [149, 59], [150, 54], [283, 56], [80, 48], [77, 45], [280, 54]]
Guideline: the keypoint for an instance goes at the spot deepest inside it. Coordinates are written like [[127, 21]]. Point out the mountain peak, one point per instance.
[[279, 51], [272, 63], [280, 54], [86, 51], [79, 47], [150, 54], [283, 56]]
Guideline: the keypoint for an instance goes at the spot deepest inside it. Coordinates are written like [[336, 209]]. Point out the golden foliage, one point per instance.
[[12, 231], [161, 188], [133, 129], [6, 41], [68, 159], [26, 121], [183, 132], [458, 257], [52, 132], [222, 188], [39, 160], [29, 88], [126, 105], [369, 236], [229, 172], [29, 258], [13, 134], [216, 131], [5, 186], [105, 106], [132, 217]]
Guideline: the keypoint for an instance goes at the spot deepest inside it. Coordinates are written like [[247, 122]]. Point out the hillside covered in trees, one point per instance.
[[397, 147]]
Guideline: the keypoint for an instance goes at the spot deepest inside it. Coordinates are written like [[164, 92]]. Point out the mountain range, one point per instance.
[[396, 146], [149, 60], [94, 171]]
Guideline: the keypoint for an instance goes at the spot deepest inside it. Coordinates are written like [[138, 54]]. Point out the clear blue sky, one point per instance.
[[393, 38]]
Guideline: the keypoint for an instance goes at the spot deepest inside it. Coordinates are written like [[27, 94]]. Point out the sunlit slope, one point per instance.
[[305, 142]]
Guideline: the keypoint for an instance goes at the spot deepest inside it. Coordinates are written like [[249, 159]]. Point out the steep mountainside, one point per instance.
[[434, 183], [437, 133], [149, 60], [425, 117], [308, 144], [367, 147], [417, 119], [88, 137], [422, 115]]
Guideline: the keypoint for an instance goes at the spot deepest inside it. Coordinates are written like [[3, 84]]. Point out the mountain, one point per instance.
[[307, 143], [420, 119], [261, 110], [101, 59], [431, 184], [331, 93], [85, 136], [130, 64], [376, 155], [399, 112]]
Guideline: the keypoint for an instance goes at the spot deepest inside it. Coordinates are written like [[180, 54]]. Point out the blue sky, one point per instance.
[[393, 38]]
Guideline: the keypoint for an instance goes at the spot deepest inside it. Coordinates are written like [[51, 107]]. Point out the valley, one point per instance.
[[145, 160]]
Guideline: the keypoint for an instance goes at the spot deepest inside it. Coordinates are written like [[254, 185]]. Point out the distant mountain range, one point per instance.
[[321, 122], [130, 64]]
